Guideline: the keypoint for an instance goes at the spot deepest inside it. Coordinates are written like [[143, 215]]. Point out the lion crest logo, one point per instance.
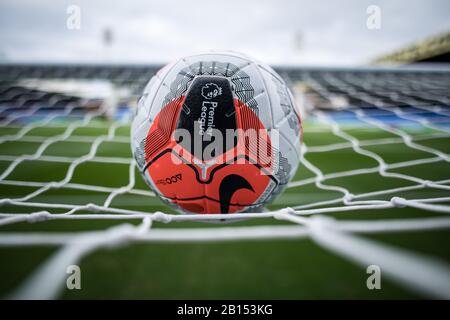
[[211, 90]]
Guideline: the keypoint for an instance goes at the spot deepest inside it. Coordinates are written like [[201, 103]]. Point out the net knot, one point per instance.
[[161, 217], [92, 207], [398, 202], [348, 198], [5, 202], [280, 214], [38, 216], [54, 185], [427, 183]]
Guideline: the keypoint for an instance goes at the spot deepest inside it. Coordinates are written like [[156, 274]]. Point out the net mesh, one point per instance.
[[415, 128]]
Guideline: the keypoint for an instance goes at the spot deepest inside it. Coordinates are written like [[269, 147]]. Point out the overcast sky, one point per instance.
[[312, 32]]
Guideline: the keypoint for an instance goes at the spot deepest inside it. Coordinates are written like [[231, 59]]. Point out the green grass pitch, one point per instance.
[[262, 269]]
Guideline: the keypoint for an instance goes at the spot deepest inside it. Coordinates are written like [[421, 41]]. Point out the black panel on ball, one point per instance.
[[208, 111]]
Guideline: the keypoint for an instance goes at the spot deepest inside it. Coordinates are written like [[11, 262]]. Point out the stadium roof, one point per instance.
[[432, 49]]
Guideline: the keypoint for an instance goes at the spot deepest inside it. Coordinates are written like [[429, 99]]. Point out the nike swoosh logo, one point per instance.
[[229, 185]]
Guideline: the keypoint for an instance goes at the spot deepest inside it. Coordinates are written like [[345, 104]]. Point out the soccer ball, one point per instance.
[[216, 133]]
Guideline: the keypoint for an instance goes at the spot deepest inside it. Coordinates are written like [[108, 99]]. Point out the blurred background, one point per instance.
[[71, 73], [285, 32]]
